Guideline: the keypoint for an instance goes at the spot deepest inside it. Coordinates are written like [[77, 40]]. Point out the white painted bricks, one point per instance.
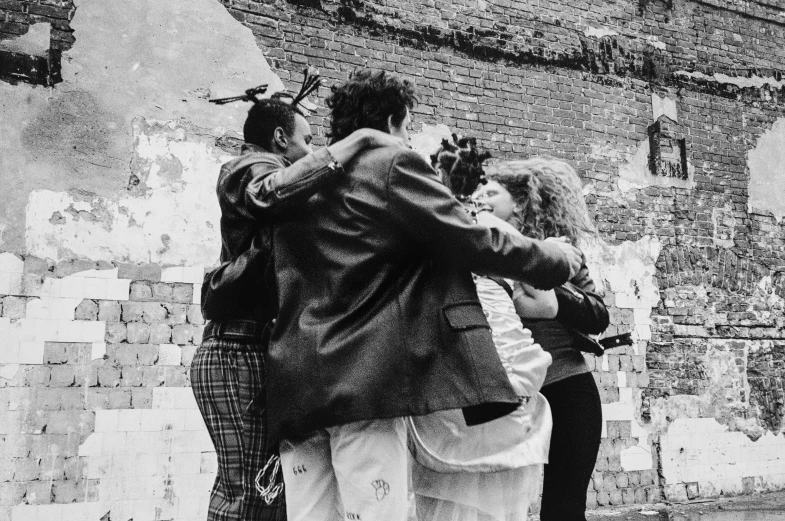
[[701, 450]]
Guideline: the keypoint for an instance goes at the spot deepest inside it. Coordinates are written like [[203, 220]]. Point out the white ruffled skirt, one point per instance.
[[475, 496]]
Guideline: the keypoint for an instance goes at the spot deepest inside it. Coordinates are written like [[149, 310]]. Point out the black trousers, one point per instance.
[[575, 442]]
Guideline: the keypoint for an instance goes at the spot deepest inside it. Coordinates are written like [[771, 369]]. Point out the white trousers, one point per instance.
[[357, 472]]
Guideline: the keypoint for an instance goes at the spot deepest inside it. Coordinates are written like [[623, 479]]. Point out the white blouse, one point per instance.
[[443, 442]]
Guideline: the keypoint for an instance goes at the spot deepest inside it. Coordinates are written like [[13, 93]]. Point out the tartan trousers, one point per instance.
[[226, 377]]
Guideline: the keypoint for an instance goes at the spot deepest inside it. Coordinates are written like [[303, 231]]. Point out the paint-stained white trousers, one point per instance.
[[356, 472]]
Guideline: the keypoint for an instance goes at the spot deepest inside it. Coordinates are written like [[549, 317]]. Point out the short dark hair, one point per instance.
[[366, 100], [264, 117]]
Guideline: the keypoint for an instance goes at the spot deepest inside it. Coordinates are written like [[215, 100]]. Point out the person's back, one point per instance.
[[375, 302]]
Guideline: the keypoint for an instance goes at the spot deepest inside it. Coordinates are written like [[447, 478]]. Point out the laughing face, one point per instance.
[[494, 198]]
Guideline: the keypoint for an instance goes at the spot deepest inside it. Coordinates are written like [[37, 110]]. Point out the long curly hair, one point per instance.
[[460, 165], [367, 99], [549, 196]]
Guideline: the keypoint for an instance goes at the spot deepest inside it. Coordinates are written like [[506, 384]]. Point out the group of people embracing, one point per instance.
[[398, 340]]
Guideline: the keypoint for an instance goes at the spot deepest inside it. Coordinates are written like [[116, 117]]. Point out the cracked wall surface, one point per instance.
[[123, 68], [108, 218], [766, 173]]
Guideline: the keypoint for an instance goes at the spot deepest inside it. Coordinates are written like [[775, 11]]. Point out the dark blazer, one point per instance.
[[255, 191], [379, 316]]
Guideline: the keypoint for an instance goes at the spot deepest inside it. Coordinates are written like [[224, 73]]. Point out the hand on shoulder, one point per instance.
[[573, 254]]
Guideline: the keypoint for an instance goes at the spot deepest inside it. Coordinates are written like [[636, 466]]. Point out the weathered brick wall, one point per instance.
[[690, 261], [586, 81], [96, 413]]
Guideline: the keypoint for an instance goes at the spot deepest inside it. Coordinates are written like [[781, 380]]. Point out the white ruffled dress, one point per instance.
[[492, 471]]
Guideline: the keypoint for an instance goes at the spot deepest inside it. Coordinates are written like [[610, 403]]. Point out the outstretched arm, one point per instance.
[[427, 210], [276, 193], [273, 194]]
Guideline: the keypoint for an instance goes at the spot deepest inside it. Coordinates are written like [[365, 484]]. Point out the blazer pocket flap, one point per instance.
[[465, 315]]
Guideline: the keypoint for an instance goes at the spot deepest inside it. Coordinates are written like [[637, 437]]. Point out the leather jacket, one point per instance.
[[255, 191], [580, 307], [379, 316], [581, 313]]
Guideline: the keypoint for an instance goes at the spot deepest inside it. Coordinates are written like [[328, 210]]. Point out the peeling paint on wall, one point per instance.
[[701, 458], [171, 218], [636, 175], [723, 222], [766, 162], [599, 32], [663, 106], [626, 273], [753, 81], [35, 41], [122, 67], [49, 315]]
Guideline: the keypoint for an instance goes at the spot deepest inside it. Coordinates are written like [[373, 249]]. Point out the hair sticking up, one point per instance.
[[277, 111], [460, 165], [549, 194], [311, 82], [249, 95]]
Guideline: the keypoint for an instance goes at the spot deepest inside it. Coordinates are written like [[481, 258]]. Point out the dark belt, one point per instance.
[[248, 330]]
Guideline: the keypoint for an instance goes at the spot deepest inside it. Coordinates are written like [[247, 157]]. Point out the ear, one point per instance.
[[280, 139], [390, 125]]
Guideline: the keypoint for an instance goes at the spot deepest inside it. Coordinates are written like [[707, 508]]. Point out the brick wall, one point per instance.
[[690, 260], [585, 81], [96, 413]]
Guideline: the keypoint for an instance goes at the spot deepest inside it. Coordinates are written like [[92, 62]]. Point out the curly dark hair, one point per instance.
[[264, 117], [366, 100], [460, 165]]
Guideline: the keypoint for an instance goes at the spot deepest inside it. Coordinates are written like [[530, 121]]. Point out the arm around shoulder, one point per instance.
[[277, 194], [428, 212]]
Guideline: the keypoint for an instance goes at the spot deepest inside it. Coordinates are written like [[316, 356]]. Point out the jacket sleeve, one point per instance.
[[429, 213], [276, 194], [225, 290], [269, 192], [580, 307]]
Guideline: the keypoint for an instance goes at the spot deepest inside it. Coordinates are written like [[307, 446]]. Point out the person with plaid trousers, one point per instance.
[[268, 183]]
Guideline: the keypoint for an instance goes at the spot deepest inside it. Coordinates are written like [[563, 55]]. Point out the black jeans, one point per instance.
[[575, 442]]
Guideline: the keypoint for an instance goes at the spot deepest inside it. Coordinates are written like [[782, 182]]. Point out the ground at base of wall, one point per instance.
[[762, 507]]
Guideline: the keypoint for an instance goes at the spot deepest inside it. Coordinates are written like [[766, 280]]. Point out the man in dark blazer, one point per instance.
[[379, 318], [269, 182]]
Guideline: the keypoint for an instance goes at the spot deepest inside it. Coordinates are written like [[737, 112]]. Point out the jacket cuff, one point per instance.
[[320, 166], [568, 299], [559, 271]]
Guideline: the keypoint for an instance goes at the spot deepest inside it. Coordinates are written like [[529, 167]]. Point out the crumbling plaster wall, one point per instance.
[[691, 267], [108, 217], [134, 62]]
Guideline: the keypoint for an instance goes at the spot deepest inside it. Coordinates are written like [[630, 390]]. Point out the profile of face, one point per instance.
[[298, 145], [402, 130], [493, 197]]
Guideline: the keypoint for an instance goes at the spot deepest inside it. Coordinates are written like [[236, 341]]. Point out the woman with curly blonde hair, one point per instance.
[[542, 197]]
